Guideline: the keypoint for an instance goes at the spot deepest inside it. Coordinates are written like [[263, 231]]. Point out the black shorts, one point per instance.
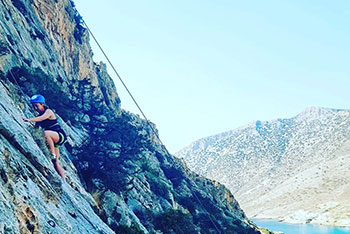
[[62, 138], [61, 134]]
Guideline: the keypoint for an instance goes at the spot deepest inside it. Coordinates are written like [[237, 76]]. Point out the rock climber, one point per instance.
[[54, 134]]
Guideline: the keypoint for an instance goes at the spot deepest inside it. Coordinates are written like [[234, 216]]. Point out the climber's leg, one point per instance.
[[58, 167], [51, 137]]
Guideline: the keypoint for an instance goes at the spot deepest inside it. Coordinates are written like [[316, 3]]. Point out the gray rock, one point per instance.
[[118, 176]]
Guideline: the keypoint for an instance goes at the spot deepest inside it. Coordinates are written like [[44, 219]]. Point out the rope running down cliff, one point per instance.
[[13, 77], [148, 122]]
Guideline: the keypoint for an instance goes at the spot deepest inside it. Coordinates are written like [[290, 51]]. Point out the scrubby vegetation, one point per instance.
[[175, 221], [133, 229], [35, 81]]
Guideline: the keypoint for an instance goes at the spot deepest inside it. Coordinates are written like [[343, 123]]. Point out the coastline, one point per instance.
[[279, 226], [303, 217]]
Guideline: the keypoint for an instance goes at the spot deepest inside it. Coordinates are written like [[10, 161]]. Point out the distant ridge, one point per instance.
[[281, 168]]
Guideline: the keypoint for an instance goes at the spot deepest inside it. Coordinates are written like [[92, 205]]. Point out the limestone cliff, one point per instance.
[[119, 178]]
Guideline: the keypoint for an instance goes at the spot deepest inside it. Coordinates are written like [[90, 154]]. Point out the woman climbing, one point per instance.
[[53, 133]]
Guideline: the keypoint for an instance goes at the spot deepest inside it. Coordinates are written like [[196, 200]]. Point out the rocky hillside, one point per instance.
[[296, 170], [119, 179]]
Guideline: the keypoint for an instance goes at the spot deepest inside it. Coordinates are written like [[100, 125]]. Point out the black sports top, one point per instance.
[[49, 124]]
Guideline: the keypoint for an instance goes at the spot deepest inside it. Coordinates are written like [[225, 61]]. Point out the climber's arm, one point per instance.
[[46, 115]]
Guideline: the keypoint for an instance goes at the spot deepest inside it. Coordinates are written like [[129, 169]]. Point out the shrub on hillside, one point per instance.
[[174, 221]]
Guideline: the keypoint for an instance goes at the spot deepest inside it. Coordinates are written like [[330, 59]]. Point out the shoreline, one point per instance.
[[281, 221]]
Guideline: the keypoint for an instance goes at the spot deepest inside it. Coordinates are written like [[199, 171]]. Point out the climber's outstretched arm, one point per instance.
[[46, 115]]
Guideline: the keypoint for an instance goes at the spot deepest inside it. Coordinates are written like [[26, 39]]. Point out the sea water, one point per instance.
[[299, 228]]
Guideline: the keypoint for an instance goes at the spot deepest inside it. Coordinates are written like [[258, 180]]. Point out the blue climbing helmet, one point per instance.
[[37, 98]]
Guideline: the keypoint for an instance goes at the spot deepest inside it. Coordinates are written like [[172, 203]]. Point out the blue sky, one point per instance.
[[198, 68]]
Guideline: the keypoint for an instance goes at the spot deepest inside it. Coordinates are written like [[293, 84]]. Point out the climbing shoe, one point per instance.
[[53, 158]]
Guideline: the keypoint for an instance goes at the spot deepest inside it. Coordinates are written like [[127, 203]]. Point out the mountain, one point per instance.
[[119, 178], [294, 170]]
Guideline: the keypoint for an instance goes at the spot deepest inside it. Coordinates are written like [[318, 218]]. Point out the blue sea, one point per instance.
[[299, 228]]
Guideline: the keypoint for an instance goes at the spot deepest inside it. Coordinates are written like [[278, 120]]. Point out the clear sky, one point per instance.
[[202, 67]]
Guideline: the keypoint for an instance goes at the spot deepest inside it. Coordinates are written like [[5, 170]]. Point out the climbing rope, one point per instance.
[[13, 77], [144, 116], [19, 87], [121, 80], [51, 223]]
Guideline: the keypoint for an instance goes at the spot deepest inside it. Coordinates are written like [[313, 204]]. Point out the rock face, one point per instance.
[[119, 178], [294, 170]]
